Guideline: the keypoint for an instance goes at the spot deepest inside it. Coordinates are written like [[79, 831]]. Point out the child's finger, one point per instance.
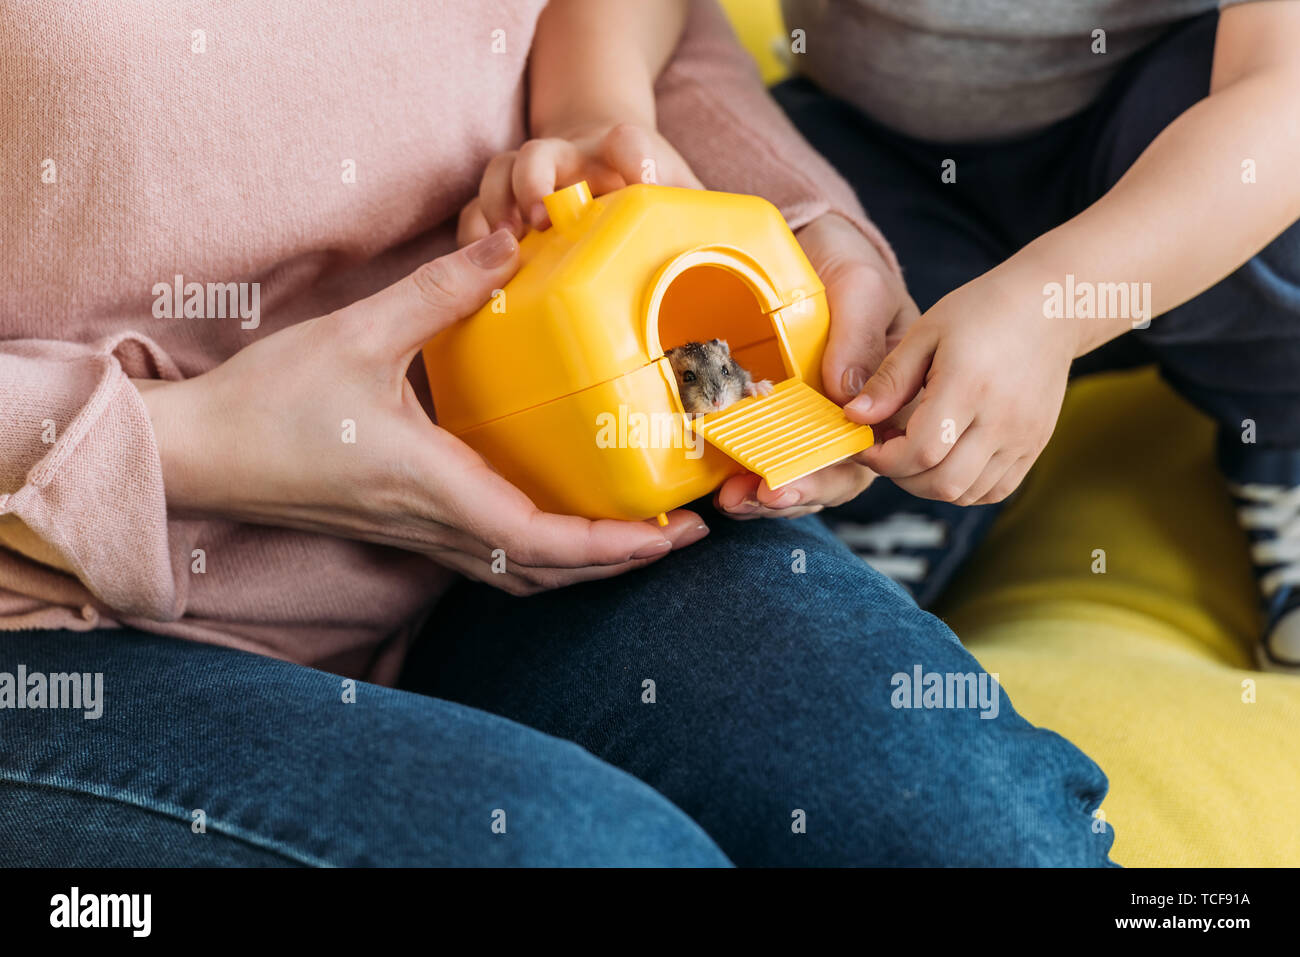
[[897, 379], [960, 468], [670, 169], [541, 166], [472, 224], [638, 157], [497, 195], [1010, 480], [627, 149], [992, 474], [934, 429], [679, 173]]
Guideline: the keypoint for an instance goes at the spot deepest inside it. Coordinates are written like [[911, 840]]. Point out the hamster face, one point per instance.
[[708, 378]]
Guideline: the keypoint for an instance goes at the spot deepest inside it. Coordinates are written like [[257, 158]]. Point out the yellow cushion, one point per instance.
[[1148, 666], [759, 26]]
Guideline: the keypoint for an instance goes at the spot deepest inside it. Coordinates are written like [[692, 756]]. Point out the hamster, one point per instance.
[[709, 379]]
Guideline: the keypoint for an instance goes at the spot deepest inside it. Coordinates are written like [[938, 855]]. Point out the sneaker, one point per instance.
[[1270, 515], [918, 543], [1265, 486]]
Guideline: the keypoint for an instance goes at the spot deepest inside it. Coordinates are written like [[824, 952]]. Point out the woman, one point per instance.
[[268, 488]]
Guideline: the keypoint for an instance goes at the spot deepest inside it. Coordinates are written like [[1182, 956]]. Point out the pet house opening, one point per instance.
[[713, 302]]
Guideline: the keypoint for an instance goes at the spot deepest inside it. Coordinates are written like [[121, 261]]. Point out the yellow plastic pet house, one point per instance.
[[561, 382]]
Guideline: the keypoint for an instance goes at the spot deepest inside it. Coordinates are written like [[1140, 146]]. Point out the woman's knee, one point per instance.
[[831, 751], [751, 680], [821, 717], [858, 730]]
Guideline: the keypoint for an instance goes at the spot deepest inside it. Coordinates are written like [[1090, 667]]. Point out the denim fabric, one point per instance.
[[772, 696], [287, 774], [772, 700], [1233, 350]]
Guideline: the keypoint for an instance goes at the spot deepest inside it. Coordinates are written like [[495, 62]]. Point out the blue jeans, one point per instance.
[[1233, 350], [734, 703]]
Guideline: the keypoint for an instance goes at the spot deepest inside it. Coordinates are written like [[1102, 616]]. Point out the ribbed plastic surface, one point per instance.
[[785, 435]]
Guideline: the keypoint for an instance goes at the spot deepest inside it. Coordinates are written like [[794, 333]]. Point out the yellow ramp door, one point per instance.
[[785, 435]]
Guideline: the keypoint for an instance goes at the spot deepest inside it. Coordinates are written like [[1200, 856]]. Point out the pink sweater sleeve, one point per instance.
[[80, 470], [713, 108]]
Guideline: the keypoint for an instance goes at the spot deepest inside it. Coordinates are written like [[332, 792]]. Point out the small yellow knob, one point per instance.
[[566, 206]]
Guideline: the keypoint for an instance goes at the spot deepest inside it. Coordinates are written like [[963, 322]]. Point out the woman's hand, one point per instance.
[[607, 157], [994, 371], [317, 428], [870, 311]]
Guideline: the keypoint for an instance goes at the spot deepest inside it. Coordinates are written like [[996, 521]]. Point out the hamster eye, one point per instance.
[[726, 371], [688, 376]]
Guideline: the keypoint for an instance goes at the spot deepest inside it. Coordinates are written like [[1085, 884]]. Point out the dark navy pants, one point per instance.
[[1234, 351]]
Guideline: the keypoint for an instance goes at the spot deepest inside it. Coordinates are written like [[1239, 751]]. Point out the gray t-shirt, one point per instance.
[[956, 70]]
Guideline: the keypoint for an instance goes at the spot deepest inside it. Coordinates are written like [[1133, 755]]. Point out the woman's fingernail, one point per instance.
[[860, 406], [853, 380], [650, 551], [492, 251], [691, 535], [787, 498]]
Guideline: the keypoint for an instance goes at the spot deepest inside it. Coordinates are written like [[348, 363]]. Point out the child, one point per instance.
[[1051, 181], [591, 112]]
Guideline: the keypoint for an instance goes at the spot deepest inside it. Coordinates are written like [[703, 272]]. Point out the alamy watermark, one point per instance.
[[36, 690], [628, 429], [1080, 299], [179, 299], [932, 689], [74, 909]]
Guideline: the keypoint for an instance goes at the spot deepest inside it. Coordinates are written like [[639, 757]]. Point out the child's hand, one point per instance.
[[607, 157], [870, 311], [994, 371]]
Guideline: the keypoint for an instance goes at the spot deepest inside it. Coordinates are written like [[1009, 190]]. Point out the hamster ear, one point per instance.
[[723, 343]]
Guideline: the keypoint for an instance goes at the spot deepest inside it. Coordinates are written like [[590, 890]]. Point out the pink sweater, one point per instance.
[[139, 143]]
